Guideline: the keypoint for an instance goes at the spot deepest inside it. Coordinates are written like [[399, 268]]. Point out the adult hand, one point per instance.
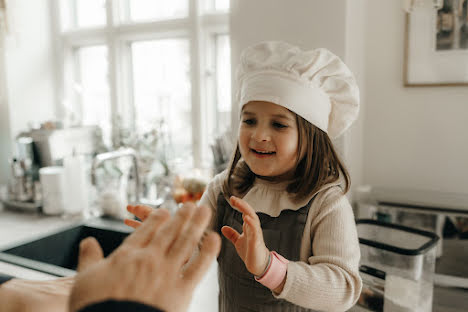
[[147, 267], [250, 245], [31, 295]]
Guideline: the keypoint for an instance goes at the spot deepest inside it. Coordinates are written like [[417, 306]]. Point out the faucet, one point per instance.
[[124, 152]]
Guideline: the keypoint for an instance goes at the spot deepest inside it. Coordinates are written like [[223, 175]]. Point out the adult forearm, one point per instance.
[[30, 295]]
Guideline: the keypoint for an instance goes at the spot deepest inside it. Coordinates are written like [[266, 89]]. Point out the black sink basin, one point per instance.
[[57, 254]]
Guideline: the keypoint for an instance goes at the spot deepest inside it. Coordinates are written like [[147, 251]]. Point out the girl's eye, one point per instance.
[[249, 121], [279, 125]]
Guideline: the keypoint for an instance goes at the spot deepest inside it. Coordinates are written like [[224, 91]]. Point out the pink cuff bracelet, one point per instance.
[[275, 272]]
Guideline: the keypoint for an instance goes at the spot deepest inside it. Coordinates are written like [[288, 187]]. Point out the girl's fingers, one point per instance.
[[249, 228], [254, 238], [140, 211], [200, 265], [257, 259], [255, 229], [132, 223], [145, 232], [244, 207], [230, 234]]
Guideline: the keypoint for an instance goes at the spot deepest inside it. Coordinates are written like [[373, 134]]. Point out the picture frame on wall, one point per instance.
[[436, 46]]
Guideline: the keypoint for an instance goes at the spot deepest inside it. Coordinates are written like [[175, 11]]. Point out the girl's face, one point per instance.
[[268, 139]]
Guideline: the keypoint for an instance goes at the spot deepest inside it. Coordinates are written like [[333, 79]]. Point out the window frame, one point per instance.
[[117, 36]]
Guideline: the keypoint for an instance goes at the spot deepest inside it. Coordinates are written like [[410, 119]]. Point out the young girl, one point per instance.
[[290, 241]]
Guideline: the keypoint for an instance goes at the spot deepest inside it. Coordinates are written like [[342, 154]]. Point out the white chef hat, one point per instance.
[[314, 84]]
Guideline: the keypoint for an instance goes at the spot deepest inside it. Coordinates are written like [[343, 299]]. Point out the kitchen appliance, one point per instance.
[[427, 210], [40, 148], [51, 146], [397, 267], [23, 188]]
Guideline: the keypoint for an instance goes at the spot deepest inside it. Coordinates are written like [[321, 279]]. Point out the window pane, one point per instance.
[[208, 6], [161, 75], [221, 5], [157, 9], [90, 13], [93, 89], [223, 82]]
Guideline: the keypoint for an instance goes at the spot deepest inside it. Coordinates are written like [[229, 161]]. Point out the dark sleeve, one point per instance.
[[4, 278], [119, 306]]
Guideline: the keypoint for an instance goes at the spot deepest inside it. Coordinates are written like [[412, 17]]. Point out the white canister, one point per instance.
[[53, 186], [76, 186]]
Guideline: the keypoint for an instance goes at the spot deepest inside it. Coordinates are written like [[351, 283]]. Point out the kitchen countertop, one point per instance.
[[429, 200], [16, 227], [19, 226]]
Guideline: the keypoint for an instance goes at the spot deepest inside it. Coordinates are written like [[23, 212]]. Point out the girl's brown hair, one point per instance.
[[317, 164]]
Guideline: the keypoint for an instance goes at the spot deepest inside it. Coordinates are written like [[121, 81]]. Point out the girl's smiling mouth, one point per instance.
[[262, 154]]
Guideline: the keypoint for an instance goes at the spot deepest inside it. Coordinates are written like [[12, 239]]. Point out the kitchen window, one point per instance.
[[135, 64], [91, 87]]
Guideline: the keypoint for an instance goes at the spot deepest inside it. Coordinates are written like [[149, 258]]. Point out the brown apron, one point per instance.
[[238, 290]]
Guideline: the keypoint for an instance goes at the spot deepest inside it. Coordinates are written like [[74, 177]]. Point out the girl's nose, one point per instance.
[[261, 135]]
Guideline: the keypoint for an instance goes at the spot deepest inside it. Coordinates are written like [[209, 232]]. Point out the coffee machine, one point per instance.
[[23, 187], [39, 148]]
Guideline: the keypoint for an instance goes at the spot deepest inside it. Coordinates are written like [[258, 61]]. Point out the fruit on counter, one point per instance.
[[188, 189], [194, 184]]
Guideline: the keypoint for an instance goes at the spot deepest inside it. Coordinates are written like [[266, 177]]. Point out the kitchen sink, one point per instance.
[[57, 252]]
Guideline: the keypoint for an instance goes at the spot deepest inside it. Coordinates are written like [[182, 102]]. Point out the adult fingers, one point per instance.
[[140, 211], [200, 265], [169, 232], [143, 235], [230, 234], [89, 254], [132, 223], [191, 234]]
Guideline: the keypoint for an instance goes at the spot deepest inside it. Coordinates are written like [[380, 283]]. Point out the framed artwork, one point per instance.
[[436, 46]]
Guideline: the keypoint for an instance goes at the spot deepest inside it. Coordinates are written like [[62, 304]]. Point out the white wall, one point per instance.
[[355, 58], [5, 134], [29, 72], [414, 137]]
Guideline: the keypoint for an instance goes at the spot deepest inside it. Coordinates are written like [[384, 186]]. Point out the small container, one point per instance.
[[402, 259], [76, 187], [53, 187]]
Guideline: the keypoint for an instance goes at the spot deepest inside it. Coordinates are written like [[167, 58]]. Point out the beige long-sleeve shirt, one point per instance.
[[327, 276]]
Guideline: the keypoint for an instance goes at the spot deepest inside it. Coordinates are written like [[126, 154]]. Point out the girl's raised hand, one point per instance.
[[141, 212], [250, 245]]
